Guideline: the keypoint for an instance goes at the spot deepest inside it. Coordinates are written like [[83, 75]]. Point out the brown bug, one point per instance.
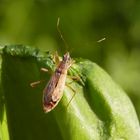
[[53, 91]]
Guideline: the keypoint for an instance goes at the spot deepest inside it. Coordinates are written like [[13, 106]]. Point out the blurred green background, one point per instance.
[[83, 23]]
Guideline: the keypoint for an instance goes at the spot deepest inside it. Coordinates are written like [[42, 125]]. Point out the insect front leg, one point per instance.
[[44, 70]]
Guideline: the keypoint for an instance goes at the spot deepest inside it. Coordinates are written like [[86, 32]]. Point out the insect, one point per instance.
[[53, 91]]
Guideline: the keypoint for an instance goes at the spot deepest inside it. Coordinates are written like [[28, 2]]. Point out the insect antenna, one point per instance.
[[61, 36]]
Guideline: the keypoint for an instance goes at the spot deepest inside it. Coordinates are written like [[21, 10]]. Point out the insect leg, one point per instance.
[[72, 95], [56, 58], [44, 69], [74, 78], [34, 84]]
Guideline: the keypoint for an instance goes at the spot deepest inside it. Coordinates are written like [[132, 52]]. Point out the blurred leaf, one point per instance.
[[99, 110]]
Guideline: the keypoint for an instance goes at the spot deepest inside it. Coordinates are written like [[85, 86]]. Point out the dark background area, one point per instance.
[[83, 23]]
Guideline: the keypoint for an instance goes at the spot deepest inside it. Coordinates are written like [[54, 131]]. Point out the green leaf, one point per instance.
[[100, 109], [4, 134]]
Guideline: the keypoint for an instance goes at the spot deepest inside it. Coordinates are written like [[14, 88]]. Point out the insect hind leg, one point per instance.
[[72, 95]]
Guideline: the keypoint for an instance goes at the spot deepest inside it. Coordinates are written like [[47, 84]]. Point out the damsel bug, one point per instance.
[[53, 92]]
